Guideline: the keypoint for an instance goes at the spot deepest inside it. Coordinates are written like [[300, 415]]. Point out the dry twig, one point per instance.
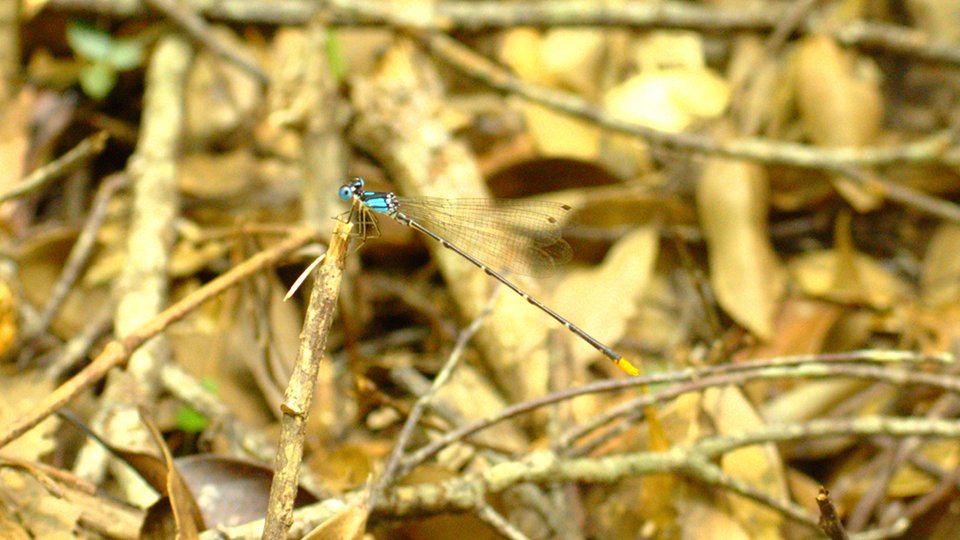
[[119, 350], [299, 394], [88, 147]]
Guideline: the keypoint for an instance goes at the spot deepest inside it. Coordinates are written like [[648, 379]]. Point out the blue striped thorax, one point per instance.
[[381, 202]]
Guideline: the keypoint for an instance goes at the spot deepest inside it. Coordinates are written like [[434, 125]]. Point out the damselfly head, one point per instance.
[[351, 188]]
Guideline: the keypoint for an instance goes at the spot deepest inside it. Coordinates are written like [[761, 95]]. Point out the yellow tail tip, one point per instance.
[[626, 366]]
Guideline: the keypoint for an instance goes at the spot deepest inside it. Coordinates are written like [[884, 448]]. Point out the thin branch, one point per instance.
[[78, 347], [80, 253], [499, 523], [119, 350], [245, 441], [87, 148], [299, 394], [805, 366], [197, 28], [695, 461], [706, 472], [632, 411], [905, 195], [936, 148], [426, 400], [487, 15], [829, 519]]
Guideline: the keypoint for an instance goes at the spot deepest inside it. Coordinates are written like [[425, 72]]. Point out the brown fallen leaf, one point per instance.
[[348, 524], [744, 270], [759, 466], [18, 393], [231, 491], [941, 267], [175, 513], [816, 273], [839, 105]]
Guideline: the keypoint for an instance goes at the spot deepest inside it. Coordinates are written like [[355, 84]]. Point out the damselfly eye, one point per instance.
[[357, 181], [345, 193]]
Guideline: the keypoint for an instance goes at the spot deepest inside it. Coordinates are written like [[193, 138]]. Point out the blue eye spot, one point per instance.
[[345, 193]]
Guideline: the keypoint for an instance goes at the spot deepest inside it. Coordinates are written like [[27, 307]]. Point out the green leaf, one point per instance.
[[210, 385], [98, 79], [335, 58], [125, 54], [191, 421], [89, 42]]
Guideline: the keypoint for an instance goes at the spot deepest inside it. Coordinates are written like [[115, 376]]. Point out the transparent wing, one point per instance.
[[523, 237]]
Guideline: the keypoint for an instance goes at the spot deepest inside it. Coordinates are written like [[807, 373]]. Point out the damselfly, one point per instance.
[[522, 237]]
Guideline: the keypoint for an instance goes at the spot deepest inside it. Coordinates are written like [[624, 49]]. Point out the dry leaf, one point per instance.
[[15, 138], [348, 524], [908, 481], [221, 97], [817, 271], [556, 134], [938, 19], [33, 509], [759, 466], [668, 100], [940, 280], [9, 326], [665, 49], [19, 392], [744, 270], [604, 309], [348, 465], [801, 327], [216, 176], [804, 490], [937, 329], [176, 511], [561, 135], [231, 491], [839, 105], [470, 395], [521, 50], [703, 519], [810, 400], [571, 58], [763, 97], [617, 511]]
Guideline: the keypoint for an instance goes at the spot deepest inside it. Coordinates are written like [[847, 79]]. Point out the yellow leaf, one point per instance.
[[18, 393], [348, 524], [561, 135], [838, 104], [759, 466], [744, 270], [520, 49], [572, 56], [941, 266], [605, 310], [817, 271]]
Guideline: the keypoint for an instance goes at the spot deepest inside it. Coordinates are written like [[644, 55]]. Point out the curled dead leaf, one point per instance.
[[867, 281], [840, 104], [744, 270]]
